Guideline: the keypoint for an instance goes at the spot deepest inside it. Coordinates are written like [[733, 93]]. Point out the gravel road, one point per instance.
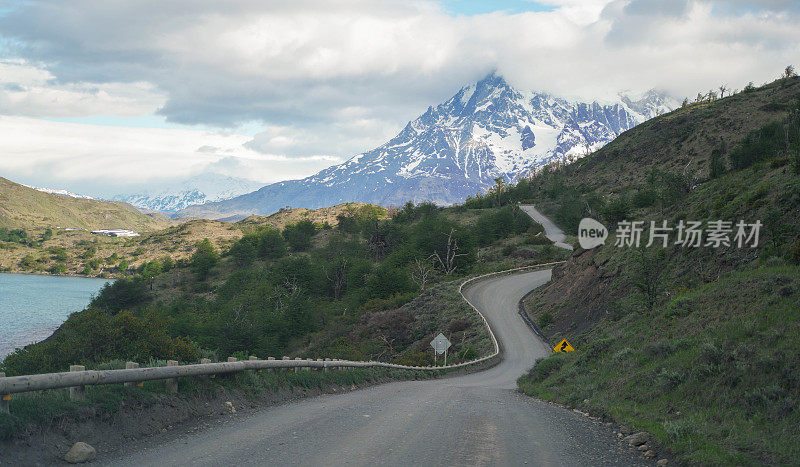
[[476, 419], [551, 230]]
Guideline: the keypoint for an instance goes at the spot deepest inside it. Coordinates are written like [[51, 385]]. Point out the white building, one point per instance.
[[115, 233]]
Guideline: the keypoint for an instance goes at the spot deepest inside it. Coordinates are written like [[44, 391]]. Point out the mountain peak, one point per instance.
[[455, 149]]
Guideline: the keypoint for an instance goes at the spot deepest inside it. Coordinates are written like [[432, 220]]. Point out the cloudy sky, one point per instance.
[[109, 96]]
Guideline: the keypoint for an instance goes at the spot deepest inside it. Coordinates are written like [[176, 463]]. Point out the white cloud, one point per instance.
[[332, 79], [103, 160], [32, 91]]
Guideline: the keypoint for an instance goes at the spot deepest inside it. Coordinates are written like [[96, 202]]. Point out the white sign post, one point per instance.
[[440, 345]]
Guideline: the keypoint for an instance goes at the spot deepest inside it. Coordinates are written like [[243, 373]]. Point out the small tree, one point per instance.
[[151, 270], [789, 72], [722, 90], [422, 272], [204, 258], [498, 189], [336, 274], [647, 275], [298, 236], [716, 165], [451, 255]]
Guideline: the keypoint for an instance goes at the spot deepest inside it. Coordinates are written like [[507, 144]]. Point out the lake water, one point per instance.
[[32, 307]]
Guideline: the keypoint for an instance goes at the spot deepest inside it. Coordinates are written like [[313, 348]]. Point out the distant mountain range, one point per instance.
[[196, 190], [456, 149]]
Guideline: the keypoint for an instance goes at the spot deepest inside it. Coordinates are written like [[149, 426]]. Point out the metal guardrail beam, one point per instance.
[[72, 379]]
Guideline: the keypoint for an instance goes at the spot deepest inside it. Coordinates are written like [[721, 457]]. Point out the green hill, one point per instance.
[[23, 207], [697, 345]]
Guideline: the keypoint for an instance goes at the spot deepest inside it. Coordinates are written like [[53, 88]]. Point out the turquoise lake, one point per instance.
[[32, 307]]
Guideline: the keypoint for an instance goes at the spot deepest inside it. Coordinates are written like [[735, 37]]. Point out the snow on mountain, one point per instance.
[[456, 149], [197, 190], [59, 192]]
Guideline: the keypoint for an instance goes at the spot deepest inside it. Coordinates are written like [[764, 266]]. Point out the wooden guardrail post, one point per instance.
[[308, 368], [288, 369], [130, 366], [4, 398], [253, 357], [232, 359], [272, 370], [326, 368], [172, 383], [77, 393]]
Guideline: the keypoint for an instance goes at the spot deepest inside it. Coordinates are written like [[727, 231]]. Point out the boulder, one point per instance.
[[650, 454], [637, 439], [662, 462], [79, 453]]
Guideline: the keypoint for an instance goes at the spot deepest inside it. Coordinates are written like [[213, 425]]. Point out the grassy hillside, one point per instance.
[[370, 288], [697, 345], [23, 207], [328, 215], [31, 245]]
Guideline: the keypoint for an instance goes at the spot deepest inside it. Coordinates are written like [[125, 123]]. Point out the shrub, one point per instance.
[[537, 240], [299, 235], [545, 367], [500, 223], [716, 164], [204, 258], [120, 294], [617, 210], [644, 197], [58, 268], [545, 319]]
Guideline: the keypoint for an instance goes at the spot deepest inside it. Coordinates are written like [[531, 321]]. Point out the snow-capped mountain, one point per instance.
[[197, 190], [456, 149], [59, 192]]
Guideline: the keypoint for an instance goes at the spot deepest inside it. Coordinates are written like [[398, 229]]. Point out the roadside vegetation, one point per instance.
[[698, 346], [374, 287], [54, 410]]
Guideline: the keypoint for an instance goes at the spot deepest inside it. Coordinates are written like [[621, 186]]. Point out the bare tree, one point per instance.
[[448, 264], [722, 90], [789, 72], [337, 276], [422, 272]]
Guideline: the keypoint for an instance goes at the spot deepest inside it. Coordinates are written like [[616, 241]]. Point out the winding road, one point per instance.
[[476, 419], [551, 230]]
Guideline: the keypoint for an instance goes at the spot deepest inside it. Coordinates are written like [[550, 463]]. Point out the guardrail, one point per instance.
[[78, 377]]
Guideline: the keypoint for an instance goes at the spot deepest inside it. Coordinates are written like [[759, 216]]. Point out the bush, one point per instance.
[[545, 319], [716, 164], [545, 367], [265, 243], [569, 213], [645, 197], [204, 258], [537, 240], [120, 294], [501, 223], [299, 235], [58, 268], [93, 332], [617, 210]]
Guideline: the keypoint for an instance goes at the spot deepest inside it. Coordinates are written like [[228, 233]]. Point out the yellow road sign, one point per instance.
[[564, 346]]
